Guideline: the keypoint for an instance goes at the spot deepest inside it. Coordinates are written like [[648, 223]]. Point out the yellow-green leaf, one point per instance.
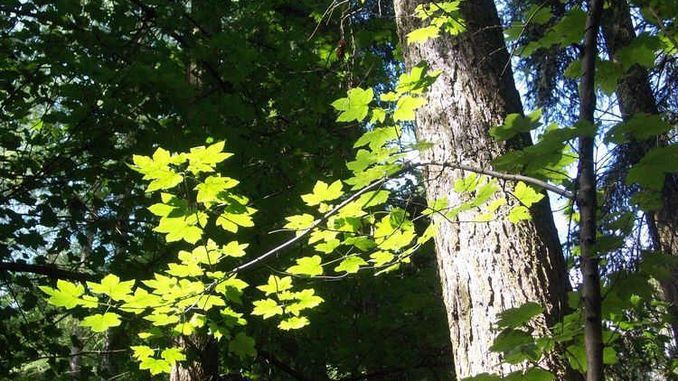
[[112, 286], [276, 284], [350, 265], [323, 192], [266, 308], [307, 266], [101, 322], [422, 34], [294, 322]]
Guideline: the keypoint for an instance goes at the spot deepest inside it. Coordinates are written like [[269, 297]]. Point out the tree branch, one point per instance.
[[301, 234], [284, 367], [506, 176], [50, 271], [316, 223]]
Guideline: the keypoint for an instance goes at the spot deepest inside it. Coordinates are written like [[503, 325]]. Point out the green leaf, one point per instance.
[[355, 106], [428, 234], [526, 195], [155, 366], [307, 266], [157, 169], [610, 356], [141, 352], [206, 302], [213, 187], [418, 79], [640, 51], [519, 316], [378, 137], [232, 288], [276, 284], [406, 108], [381, 257], [266, 308], [172, 355], [232, 318], [299, 222], [234, 249], [361, 242], [576, 355], [183, 271], [648, 200], [608, 74], [294, 322], [510, 339], [166, 179], [435, 206], [350, 265], [186, 227], [323, 192], [328, 246], [392, 234], [536, 374], [305, 299], [515, 124], [640, 127], [653, 167], [378, 115], [66, 294], [110, 285], [204, 159], [388, 97], [140, 301], [101, 322], [242, 345], [318, 235], [236, 215], [569, 30], [161, 210], [422, 34], [160, 319], [539, 14], [519, 213]]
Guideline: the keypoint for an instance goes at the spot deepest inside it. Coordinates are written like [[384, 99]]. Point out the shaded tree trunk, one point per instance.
[[74, 363], [635, 96], [586, 201], [202, 350], [203, 359], [485, 268]]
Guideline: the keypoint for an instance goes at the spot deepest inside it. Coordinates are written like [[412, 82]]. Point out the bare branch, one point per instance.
[[50, 271]]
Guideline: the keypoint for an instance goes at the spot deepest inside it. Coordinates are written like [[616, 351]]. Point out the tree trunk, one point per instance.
[[485, 268], [202, 350], [635, 96], [74, 363], [204, 366], [586, 201]]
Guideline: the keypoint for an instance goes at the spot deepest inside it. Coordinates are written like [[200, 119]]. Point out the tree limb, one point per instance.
[[301, 234], [50, 271], [506, 176]]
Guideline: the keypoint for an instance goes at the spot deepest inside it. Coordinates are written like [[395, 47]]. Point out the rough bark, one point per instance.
[[203, 362], [485, 268], [586, 201], [635, 96]]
